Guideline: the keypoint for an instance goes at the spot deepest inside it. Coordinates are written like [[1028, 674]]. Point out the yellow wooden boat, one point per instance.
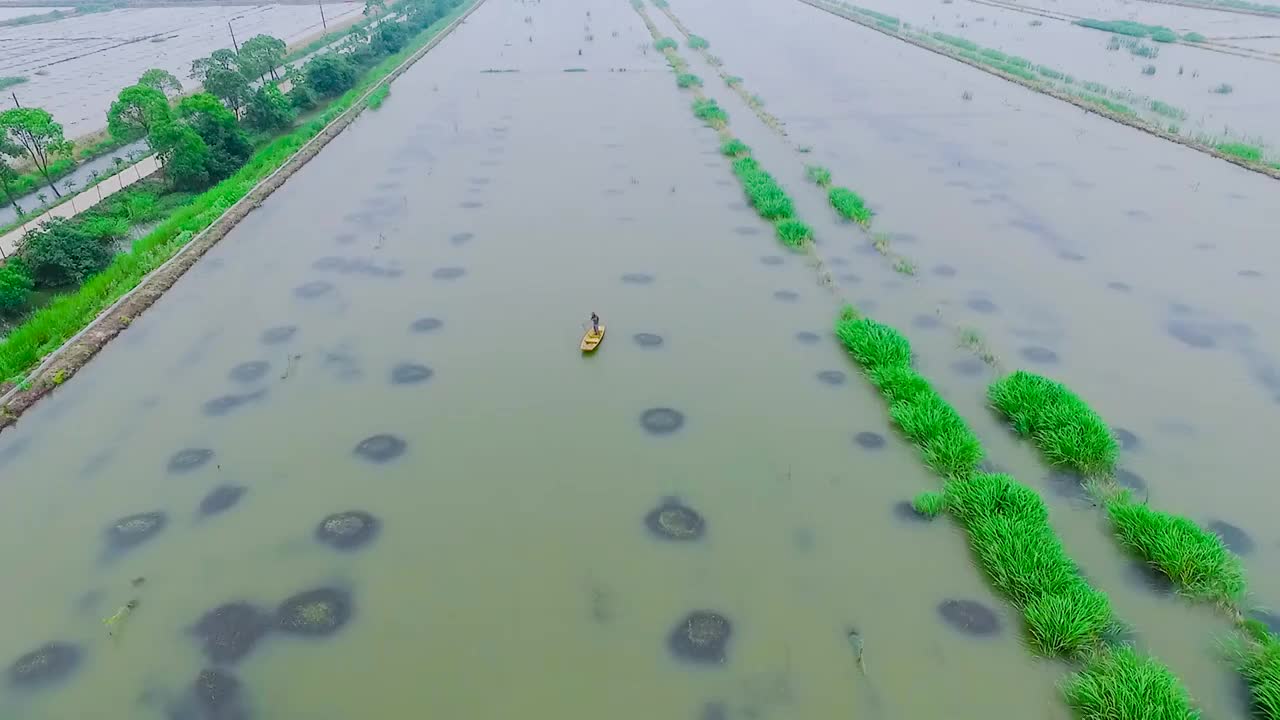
[[592, 339]]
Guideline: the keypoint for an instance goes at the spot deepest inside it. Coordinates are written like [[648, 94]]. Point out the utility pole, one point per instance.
[[325, 25], [234, 44], [15, 99]]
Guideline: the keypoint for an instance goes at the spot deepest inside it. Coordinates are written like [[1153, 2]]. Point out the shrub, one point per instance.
[[60, 252], [105, 229], [269, 109], [15, 286], [329, 74]]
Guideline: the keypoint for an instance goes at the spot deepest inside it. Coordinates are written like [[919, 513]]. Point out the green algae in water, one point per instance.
[[318, 612]]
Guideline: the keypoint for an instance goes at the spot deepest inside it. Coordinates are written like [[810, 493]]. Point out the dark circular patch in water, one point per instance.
[[448, 273], [478, 180], [808, 338], [969, 367], [230, 631], [347, 530], [851, 278], [1190, 335], [380, 448], [461, 238], [318, 612], [426, 325], [772, 260], [470, 204], [1037, 354], [837, 261], [925, 322], [226, 403], [1066, 484], [1235, 538], [48, 664], [313, 289], [868, 440], [746, 230], [221, 498], [981, 305], [637, 279], [410, 374], [786, 295], [251, 371], [1249, 274], [673, 521], [1148, 577], [1119, 286], [661, 421], [1131, 480], [215, 695], [905, 511], [701, 637], [278, 335], [647, 339], [189, 459], [1140, 215], [329, 263], [969, 617], [345, 238], [133, 530], [944, 271], [831, 377], [1127, 439]]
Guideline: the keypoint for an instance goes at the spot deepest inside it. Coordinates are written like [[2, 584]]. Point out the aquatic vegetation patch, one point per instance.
[[970, 617], [702, 637], [347, 530], [380, 448], [1065, 429], [734, 148], [1244, 151], [665, 43], [278, 335], [697, 42], [410, 374], [1195, 559], [319, 612], [1119, 683], [46, 665], [929, 504], [249, 372], [133, 530], [672, 520], [426, 325], [850, 205], [661, 420], [189, 459], [708, 111], [763, 191], [221, 499], [1159, 33], [229, 632], [647, 340], [818, 174], [688, 80], [793, 233]]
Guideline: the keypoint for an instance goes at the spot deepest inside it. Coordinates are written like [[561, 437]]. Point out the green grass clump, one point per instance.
[[956, 41], [1244, 151], [733, 80], [733, 147], [1065, 429], [1223, 89], [1259, 664], [665, 43], [1130, 28], [930, 504], [878, 349], [1160, 107], [379, 96], [706, 110], [1050, 72], [697, 42], [818, 174], [793, 233], [763, 192], [1194, 37], [1164, 35], [994, 54], [1119, 684], [688, 80], [1193, 558], [850, 205]]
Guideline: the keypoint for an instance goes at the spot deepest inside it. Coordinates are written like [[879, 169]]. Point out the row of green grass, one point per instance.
[[847, 203], [1070, 434], [1159, 33], [1008, 529], [47, 329]]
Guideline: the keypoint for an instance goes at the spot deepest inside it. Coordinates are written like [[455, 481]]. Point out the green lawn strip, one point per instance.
[[1070, 434], [48, 328]]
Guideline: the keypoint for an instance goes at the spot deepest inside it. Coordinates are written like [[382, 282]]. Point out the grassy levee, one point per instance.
[[1071, 434], [1012, 70], [102, 301], [1009, 532], [763, 191]]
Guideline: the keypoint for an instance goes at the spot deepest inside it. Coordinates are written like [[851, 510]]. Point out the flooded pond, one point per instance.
[[354, 459]]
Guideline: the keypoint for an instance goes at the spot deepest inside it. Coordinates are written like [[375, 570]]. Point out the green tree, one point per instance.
[[330, 74], [222, 59], [300, 94], [34, 130], [229, 147], [8, 175], [136, 109], [260, 55], [221, 77], [268, 109], [60, 252], [183, 154], [162, 80], [15, 286], [392, 36]]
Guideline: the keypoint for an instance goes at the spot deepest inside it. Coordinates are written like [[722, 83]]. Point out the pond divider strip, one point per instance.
[[893, 30], [1009, 533], [67, 358], [1069, 433]]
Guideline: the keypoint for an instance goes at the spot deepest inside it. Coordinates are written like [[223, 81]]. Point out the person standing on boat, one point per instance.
[[595, 323]]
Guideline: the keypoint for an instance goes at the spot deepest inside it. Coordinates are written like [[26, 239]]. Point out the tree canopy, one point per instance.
[[34, 130], [162, 80], [137, 109], [260, 55]]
